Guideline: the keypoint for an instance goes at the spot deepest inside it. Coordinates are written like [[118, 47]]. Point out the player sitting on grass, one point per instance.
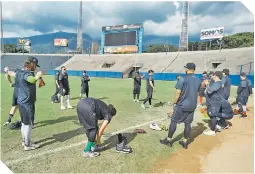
[[89, 111], [243, 93], [217, 105]]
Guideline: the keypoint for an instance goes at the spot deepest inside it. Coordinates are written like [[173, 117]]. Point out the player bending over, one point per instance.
[[185, 105], [64, 89], [217, 105], [84, 84], [89, 111], [137, 86]]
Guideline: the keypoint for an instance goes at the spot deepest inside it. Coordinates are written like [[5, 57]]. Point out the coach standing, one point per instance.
[[64, 88], [150, 88], [185, 105], [26, 98]]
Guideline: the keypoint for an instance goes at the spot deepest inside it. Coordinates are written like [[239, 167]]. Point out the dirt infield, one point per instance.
[[230, 151]]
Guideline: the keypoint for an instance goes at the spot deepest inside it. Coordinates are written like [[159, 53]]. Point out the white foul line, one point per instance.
[[73, 145]]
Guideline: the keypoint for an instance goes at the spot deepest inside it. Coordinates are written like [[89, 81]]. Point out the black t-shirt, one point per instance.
[[103, 112], [57, 78], [243, 89], [189, 86], [150, 78], [137, 81], [214, 94], [84, 80], [63, 81]]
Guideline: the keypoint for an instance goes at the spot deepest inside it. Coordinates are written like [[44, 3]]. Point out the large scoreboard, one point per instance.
[[122, 38]]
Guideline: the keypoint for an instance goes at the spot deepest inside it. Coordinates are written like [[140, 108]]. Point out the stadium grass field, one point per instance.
[[62, 139]]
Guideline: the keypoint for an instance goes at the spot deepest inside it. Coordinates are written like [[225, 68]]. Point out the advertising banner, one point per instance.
[[212, 33], [60, 42]]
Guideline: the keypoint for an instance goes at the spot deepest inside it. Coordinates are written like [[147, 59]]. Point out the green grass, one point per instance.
[[55, 128]]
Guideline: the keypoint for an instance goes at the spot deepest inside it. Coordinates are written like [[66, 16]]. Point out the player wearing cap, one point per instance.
[[137, 85], [202, 89], [217, 105], [150, 88], [64, 88], [84, 84], [185, 105], [89, 111], [243, 93], [26, 98]]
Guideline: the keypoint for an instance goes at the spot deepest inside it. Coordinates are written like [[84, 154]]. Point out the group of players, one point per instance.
[[215, 88]]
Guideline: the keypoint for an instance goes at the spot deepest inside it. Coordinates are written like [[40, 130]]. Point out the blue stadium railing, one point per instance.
[[235, 79]]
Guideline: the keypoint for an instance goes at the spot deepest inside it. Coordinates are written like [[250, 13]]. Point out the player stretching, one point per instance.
[[243, 93], [64, 88], [89, 111], [26, 98], [84, 84], [14, 99], [185, 105], [137, 85], [150, 88]]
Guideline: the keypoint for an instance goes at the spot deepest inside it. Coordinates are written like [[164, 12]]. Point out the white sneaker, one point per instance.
[[90, 154], [134, 100], [219, 128], [150, 106], [69, 107], [63, 107], [137, 101], [23, 144], [210, 133], [143, 106]]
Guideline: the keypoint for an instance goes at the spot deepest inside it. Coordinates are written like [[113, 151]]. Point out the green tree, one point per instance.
[[12, 48]]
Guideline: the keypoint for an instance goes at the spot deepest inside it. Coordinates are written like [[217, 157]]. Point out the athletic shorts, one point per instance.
[[27, 112], [242, 100], [84, 89], [181, 116], [14, 99], [62, 93], [137, 90]]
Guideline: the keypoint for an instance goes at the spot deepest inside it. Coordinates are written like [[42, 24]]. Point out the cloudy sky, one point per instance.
[[23, 19]]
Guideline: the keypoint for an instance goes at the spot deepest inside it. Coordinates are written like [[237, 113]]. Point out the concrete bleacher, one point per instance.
[[160, 62], [46, 61]]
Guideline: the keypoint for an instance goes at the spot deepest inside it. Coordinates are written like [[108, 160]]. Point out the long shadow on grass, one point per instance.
[[112, 141], [195, 132], [59, 120], [159, 104]]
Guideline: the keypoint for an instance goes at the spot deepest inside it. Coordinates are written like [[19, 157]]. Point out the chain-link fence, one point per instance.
[[247, 68]]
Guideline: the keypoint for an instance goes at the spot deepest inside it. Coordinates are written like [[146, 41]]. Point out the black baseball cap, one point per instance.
[[226, 71], [150, 71], [218, 74], [204, 72], [243, 74], [33, 59], [190, 66], [211, 73]]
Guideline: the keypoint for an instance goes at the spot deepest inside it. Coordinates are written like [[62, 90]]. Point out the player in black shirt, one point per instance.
[[84, 84], [64, 88], [89, 111], [137, 86]]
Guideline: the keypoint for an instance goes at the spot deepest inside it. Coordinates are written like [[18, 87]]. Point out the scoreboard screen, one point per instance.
[[118, 39]]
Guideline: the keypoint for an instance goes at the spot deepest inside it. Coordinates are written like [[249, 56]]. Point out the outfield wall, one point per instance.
[[235, 79]]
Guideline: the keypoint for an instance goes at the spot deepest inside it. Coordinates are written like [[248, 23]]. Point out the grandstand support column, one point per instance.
[[79, 47], [183, 42]]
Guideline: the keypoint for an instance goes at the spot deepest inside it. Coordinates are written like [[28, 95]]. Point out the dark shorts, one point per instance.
[[27, 112], [149, 93], [137, 90], [86, 114], [62, 93], [14, 99], [181, 116], [242, 100], [84, 89]]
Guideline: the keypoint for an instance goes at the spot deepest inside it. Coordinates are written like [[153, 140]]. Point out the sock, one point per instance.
[[169, 139], [137, 96], [134, 96], [68, 100], [27, 134], [62, 100], [88, 146], [244, 108], [93, 145], [22, 132], [201, 100]]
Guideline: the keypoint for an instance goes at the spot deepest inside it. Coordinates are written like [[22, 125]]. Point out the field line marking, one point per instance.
[[73, 145]]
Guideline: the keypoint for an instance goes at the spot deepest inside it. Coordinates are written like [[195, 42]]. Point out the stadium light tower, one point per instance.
[[79, 47], [2, 35], [184, 40]]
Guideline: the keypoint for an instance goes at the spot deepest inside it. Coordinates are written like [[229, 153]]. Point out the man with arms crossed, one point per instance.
[[185, 105]]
